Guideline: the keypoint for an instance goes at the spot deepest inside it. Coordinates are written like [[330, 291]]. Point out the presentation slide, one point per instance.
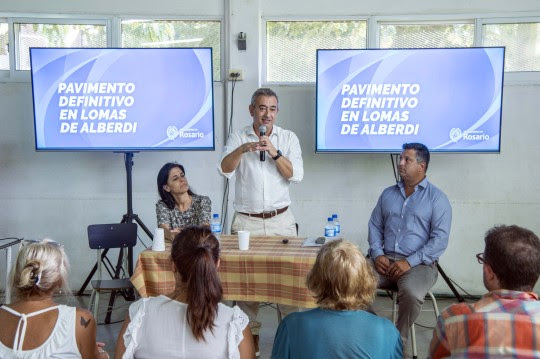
[[374, 100], [123, 99]]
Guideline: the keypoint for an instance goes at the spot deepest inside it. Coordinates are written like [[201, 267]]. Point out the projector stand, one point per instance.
[[129, 217], [395, 164]]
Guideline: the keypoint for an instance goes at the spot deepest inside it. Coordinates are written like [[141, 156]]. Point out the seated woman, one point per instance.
[[190, 322], [34, 326], [179, 206], [344, 286]]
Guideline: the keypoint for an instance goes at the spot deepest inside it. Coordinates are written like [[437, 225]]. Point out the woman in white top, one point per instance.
[[34, 326], [190, 322]]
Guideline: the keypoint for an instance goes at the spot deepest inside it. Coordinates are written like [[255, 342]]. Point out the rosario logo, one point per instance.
[[455, 134], [173, 132]]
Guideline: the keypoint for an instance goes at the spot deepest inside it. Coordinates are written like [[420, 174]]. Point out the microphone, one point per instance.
[[262, 132]]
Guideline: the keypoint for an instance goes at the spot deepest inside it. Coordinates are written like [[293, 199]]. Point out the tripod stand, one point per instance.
[[129, 217], [395, 163]]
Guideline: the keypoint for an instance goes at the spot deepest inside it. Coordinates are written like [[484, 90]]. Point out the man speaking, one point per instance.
[[266, 159], [408, 232]]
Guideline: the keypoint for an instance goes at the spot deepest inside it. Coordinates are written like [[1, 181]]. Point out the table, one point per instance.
[[270, 271]]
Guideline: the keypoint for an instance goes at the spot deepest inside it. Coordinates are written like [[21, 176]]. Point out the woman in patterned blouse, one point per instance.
[[179, 206]]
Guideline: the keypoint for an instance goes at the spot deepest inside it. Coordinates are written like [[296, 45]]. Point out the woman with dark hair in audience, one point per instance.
[[179, 206], [190, 322], [344, 286], [34, 326]]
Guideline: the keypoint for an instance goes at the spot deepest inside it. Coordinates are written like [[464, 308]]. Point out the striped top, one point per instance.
[[501, 324]]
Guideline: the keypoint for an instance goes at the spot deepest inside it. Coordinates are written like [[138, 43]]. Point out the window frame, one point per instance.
[[117, 32], [4, 74], [264, 66], [113, 34], [430, 21], [373, 35], [14, 75], [514, 77], [54, 21]]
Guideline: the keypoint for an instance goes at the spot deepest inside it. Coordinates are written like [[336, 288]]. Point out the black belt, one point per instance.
[[265, 215]]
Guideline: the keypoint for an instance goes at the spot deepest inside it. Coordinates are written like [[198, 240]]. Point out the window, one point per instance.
[[426, 35], [291, 46], [522, 41], [175, 33], [55, 35], [4, 51]]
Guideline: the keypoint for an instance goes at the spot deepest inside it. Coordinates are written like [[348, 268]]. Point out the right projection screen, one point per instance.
[[374, 100]]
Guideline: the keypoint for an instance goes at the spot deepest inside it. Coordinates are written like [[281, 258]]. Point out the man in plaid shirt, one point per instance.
[[506, 321]]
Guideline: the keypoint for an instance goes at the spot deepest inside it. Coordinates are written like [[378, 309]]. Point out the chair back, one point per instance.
[[115, 235]]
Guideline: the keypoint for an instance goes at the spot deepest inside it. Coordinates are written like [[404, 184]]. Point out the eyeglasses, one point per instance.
[[480, 258]]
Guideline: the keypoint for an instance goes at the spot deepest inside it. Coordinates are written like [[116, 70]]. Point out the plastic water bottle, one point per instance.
[[215, 226], [336, 224], [330, 229]]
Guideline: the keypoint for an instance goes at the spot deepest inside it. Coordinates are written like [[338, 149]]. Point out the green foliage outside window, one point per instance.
[[175, 33]]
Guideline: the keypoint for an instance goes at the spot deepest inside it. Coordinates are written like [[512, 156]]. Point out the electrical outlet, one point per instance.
[[236, 74]]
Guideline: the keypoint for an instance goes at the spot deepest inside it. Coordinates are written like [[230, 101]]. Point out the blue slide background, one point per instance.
[[173, 92], [461, 92]]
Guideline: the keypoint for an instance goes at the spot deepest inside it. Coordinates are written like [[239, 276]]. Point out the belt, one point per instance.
[[265, 215]]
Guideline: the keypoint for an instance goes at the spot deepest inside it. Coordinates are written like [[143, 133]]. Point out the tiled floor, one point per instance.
[[108, 333]]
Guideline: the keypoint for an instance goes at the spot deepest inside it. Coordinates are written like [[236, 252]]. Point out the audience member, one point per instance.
[[262, 187], [34, 326], [179, 206], [408, 232], [190, 322], [344, 285], [504, 323]]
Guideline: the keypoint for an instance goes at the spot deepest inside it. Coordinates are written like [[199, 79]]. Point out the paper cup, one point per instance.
[[243, 240], [158, 244]]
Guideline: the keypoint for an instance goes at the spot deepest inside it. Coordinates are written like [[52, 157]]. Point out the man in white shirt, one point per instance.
[[262, 198]]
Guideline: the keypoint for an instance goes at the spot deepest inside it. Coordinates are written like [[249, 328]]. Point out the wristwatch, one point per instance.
[[279, 154]]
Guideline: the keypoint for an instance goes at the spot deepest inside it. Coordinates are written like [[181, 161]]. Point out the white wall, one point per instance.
[[58, 194]]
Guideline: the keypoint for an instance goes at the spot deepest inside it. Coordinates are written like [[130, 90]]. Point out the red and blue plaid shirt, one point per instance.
[[501, 324]]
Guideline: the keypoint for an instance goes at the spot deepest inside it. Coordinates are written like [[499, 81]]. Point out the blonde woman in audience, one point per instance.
[[34, 326], [190, 322], [344, 286]]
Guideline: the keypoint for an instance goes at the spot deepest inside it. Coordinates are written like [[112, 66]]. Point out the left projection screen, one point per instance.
[[122, 99]]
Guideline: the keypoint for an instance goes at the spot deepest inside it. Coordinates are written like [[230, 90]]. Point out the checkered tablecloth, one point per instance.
[[270, 271]]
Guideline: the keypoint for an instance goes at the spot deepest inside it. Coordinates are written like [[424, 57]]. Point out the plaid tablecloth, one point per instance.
[[270, 271]]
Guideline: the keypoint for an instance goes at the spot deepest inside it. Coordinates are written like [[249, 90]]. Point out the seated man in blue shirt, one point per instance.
[[408, 232]]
